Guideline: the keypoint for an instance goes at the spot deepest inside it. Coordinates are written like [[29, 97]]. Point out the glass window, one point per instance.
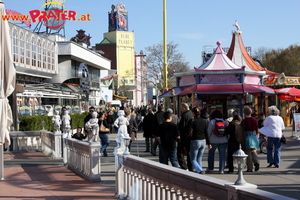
[[15, 45], [33, 51], [44, 54], [39, 51], [22, 45], [27, 49]]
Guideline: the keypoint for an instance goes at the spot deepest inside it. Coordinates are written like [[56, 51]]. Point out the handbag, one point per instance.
[[103, 128], [283, 140]]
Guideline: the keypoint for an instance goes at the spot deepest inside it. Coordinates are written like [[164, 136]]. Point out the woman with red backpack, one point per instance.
[[218, 139]]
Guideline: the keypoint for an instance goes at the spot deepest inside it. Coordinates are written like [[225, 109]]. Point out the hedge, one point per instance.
[[34, 123]]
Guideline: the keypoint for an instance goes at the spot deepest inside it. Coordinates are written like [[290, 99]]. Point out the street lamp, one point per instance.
[[240, 156]]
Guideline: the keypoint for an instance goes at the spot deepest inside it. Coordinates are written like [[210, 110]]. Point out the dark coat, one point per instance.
[[184, 123], [148, 125], [236, 135], [110, 119], [104, 124], [80, 137], [158, 119]]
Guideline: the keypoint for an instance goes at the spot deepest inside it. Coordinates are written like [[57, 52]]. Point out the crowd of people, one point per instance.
[[182, 140]]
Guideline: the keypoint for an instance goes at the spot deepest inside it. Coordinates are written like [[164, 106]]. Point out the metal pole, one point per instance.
[[165, 70]]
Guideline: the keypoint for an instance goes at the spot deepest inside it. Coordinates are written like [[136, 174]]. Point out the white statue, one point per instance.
[[93, 128], [238, 28], [56, 120], [121, 123], [66, 123]]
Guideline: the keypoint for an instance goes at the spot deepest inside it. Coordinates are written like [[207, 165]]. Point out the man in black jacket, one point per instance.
[[184, 144], [158, 119]]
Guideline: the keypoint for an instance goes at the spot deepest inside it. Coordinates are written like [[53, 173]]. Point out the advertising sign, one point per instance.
[[297, 122]]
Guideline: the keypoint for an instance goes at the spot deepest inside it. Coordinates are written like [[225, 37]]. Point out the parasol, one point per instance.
[[288, 94], [7, 84]]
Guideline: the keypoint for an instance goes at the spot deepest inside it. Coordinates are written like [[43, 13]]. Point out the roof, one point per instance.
[[239, 55], [219, 61]]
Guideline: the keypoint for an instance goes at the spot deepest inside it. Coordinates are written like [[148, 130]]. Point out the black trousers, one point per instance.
[[184, 164]]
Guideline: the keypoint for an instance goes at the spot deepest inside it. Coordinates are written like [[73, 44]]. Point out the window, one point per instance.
[[27, 40], [39, 56], [15, 45], [44, 54], [22, 45], [33, 51]]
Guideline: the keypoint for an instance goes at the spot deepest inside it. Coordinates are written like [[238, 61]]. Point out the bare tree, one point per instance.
[[154, 57]]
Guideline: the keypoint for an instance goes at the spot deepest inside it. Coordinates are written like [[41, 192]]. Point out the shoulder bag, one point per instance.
[[103, 128]]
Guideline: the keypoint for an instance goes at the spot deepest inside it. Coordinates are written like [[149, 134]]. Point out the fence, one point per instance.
[[139, 178]]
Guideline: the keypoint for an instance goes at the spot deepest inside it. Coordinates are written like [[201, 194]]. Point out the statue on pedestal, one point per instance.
[[121, 123], [93, 128], [66, 124], [56, 121]]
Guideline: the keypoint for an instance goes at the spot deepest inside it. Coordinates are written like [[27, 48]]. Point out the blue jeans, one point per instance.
[[104, 143], [276, 157], [222, 156], [166, 154], [196, 150]]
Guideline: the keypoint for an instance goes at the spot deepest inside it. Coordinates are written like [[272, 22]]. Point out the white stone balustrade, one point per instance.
[[84, 158], [51, 143], [138, 178], [25, 140]]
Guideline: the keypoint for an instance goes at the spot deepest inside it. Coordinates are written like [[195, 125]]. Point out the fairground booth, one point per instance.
[[225, 81]]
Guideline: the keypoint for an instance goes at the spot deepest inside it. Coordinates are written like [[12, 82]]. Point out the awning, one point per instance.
[[74, 88], [227, 89], [174, 91]]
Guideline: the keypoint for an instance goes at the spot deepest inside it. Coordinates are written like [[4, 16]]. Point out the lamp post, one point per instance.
[[240, 156]]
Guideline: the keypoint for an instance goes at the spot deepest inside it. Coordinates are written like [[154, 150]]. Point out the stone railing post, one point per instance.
[[57, 144], [95, 164]]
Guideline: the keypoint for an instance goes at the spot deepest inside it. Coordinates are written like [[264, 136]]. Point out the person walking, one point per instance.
[[158, 119], [132, 127], [174, 117], [148, 129], [103, 135], [110, 120], [184, 144], [199, 139], [217, 142], [236, 137], [167, 136], [250, 127], [273, 126]]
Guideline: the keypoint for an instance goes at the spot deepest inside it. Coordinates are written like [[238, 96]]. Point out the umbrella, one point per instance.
[[294, 92], [7, 84]]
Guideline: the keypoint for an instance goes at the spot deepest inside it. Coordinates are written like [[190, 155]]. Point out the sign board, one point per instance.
[[297, 122]]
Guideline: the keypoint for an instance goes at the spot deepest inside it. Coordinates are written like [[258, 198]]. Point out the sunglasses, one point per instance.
[[91, 110]]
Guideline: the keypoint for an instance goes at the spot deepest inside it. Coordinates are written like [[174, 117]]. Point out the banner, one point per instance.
[[297, 122]]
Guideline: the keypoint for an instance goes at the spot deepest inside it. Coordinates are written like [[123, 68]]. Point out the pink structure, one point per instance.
[[223, 82]]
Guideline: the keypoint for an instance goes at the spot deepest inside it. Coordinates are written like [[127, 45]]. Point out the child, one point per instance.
[[78, 135]]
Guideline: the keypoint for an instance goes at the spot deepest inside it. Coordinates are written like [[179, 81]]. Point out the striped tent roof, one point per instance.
[[219, 61]]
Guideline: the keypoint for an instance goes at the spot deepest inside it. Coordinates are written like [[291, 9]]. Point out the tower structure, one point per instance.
[[118, 46]]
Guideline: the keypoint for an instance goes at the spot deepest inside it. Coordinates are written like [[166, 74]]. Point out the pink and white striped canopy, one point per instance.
[[219, 61]]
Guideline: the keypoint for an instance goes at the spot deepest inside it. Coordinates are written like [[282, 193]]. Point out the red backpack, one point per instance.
[[219, 129]]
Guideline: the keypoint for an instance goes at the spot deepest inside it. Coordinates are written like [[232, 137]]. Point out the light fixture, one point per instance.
[[240, 157]]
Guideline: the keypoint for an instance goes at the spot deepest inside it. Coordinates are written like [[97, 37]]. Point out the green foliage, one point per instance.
[[281, 60], [34, 123]]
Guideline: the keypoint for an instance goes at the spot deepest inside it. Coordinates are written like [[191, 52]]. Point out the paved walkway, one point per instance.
[[34, 175]]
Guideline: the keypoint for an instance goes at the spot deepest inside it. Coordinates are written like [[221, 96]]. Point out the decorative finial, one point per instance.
[[219, 43], [238, 28]]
